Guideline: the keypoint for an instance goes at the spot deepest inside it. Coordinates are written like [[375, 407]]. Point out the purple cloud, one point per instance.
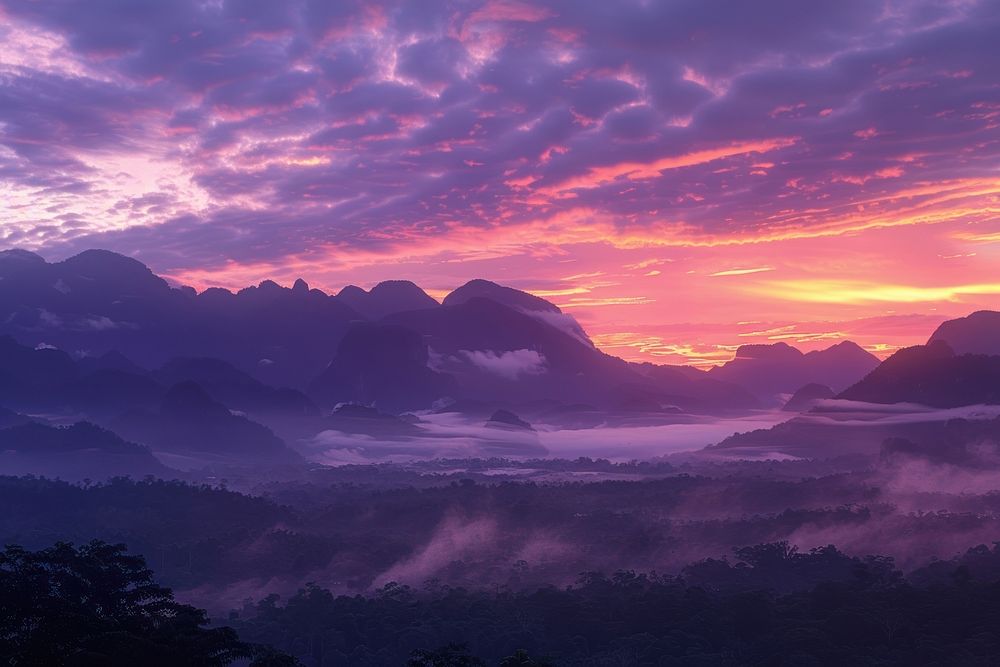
[[277, 126]]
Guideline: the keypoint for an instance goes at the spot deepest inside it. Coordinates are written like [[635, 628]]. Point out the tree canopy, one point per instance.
[[96, 604]]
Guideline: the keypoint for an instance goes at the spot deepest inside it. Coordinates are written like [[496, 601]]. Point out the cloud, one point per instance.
[[407, 120], [509, 365], [232, 139], [741, 272]]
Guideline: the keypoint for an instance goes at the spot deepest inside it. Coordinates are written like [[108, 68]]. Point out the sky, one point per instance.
[[682, 176]]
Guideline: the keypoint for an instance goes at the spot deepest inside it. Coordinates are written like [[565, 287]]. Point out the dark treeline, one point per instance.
[[355, 537], [769, 604], [836, 610]]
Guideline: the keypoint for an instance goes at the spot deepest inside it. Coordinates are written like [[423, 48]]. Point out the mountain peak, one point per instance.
[[21, 256], [351, 291], [807, 397], [386, 298], [509, 420], [407, 285], [114, 270], [269, 286], [104, 259], [976, 333], [931, 375], [405, 289], [770, 351], [508, 296]]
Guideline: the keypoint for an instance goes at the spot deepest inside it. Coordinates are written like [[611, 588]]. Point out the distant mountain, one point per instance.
[[99, 301], [813, 436], [769, 370], [501, 354], [236, 389], [393, 347], [386, 298], [690, 387], [192, 423], [971, 443], [517, 300], [504, 419], [32, 376], [45, 380], [112, 360], [75, 452], [978, 333], [931, 375], [508, 296], [361, 419], [384, 365], [109, 392], [807, 397]]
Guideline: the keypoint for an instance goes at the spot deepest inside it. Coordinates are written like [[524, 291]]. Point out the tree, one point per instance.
[[522, 659], [96, 605], [452, 655]]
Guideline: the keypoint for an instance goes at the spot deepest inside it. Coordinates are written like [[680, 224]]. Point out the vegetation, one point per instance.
[[96, 605], [850, 612]]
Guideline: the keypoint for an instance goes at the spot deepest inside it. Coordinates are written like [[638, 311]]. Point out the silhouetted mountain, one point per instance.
[[113, 360], [497, 353], [192, 423], [931, 375], [111, 392], [978, 333], [522, 301], [99, 301], [383, 365], [281, 335], [236, 389], [510, 356], [807, 397], [693, 388], [928, 375], [75, 452], [499, 345], [508, 296], [960, 442], [816, 436], [508, 420], [15, 262], [351, 418], [390, 296], [32, 377], [49, 380], [769, 370]]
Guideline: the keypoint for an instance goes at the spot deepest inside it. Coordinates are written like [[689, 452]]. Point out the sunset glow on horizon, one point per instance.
[[683, 178]]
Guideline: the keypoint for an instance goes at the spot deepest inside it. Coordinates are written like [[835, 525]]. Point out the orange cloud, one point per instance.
[[741, 272], [597, 176], [856, 292]]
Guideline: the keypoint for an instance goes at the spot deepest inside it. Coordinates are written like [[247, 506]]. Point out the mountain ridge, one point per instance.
[[501, 345]]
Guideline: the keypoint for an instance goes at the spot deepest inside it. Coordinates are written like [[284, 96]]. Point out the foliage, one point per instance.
[[96, 605], [854, 611]]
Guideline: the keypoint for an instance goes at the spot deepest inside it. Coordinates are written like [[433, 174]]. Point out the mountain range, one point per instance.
[[240, 375], [910, 403], [393, 346]]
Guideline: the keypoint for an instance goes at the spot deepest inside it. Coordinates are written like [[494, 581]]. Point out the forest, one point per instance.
[[443, 564], [766, 604]]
